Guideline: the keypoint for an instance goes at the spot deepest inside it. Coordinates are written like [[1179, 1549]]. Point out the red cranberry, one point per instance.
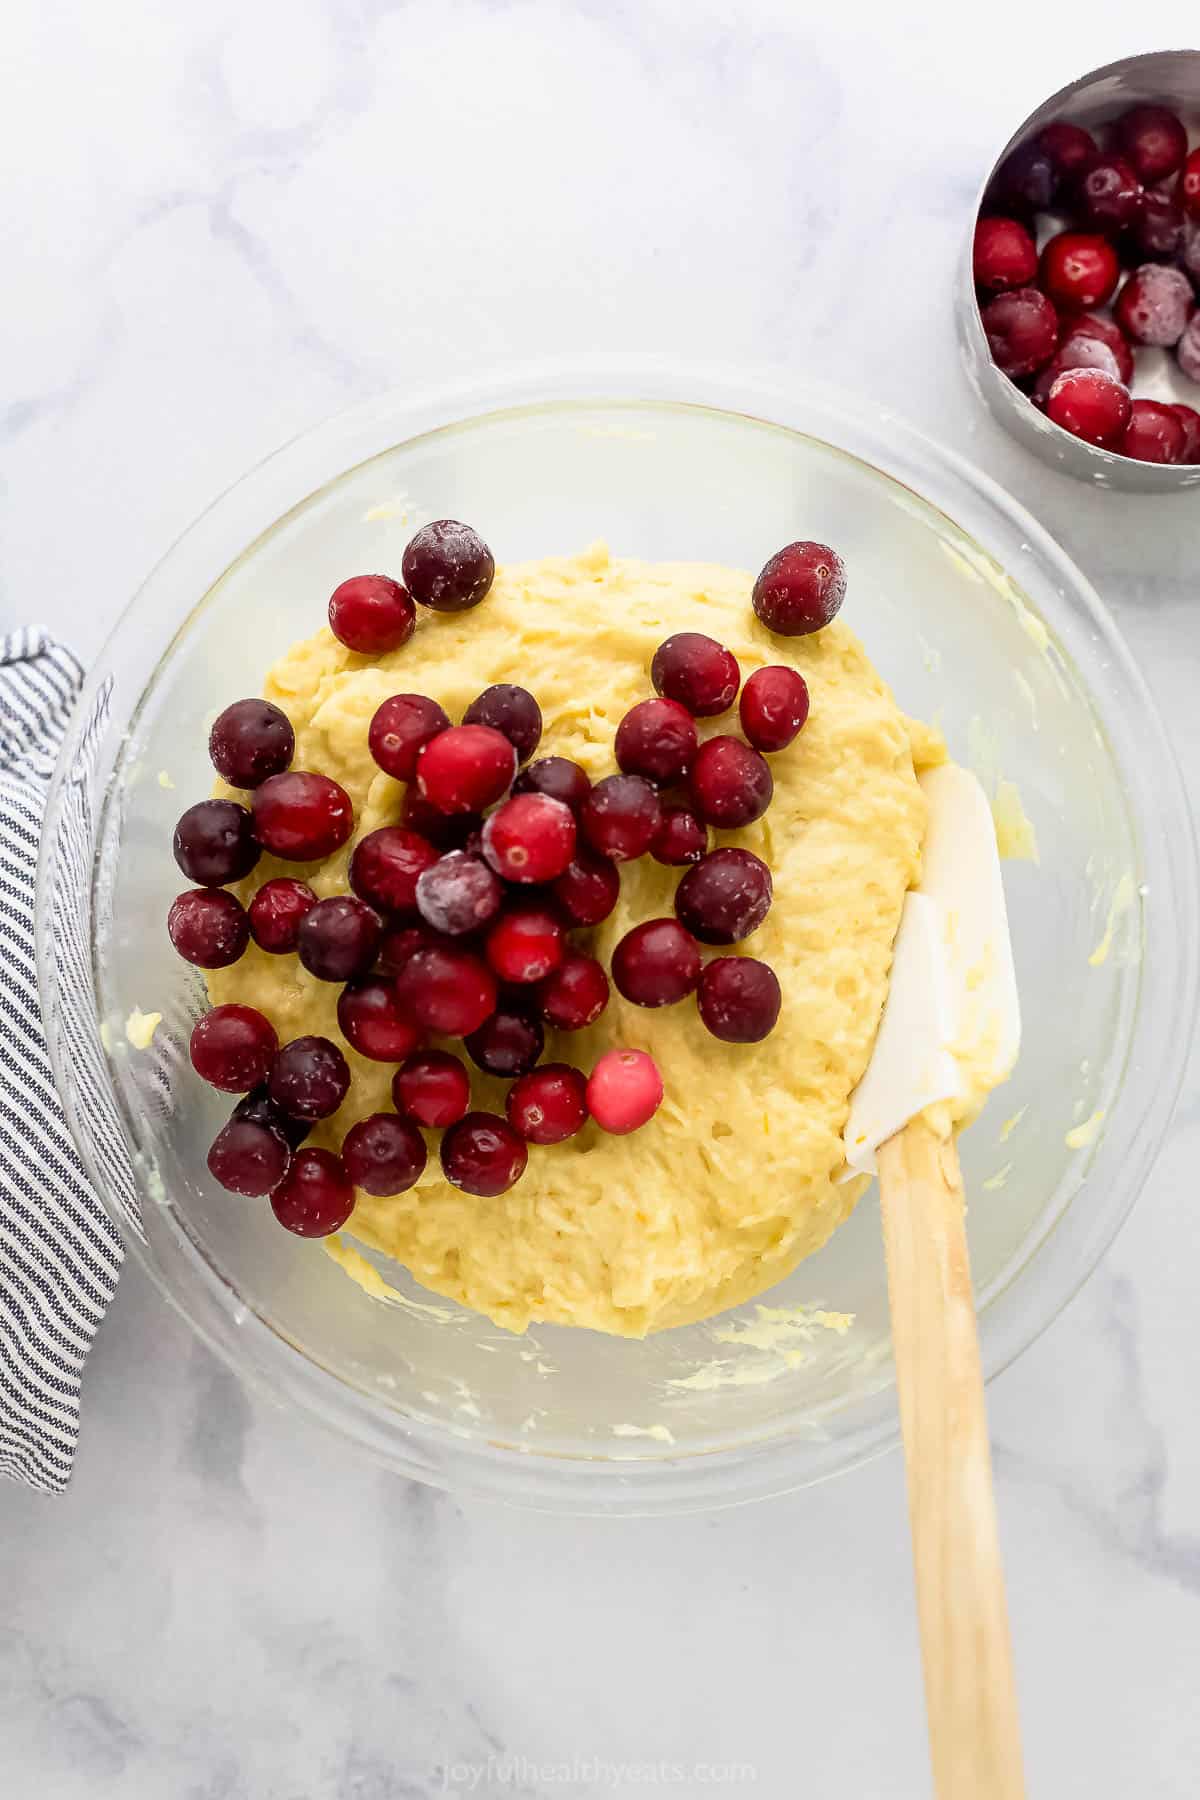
[[1157, 232], [739, 999], [1026, 182], [248, 1158], [575, 994], [530, 838], [1153, 139], [466, 768], [657, 739], [621, 816], [513, 712], [1111, 194], [1189, 185], [558, 777], [250, 741], [588, 889], [401, 728], [548, 1105], [625, 1091], [1070, 148], [1153, 434], [316, 1196], [1107, 333], [773, 707], [386, 867], [208, 927], [459, 894], [447, 990], [399, 942], [508, 1043], [1080, 352], [215, 843], [1189, 418], [260, 1109], [1005, 255], [1155, 305], [801, 588], [698, 672], [526, 944], [384, 1154], [1090, 405], [232, 1048], [339, 938], [725, 897], [1187, 351], [483, 1155], [681, 838], [1021, 330], [433, 1088], [439, 828], [372, 1021], [1079, 269], [302, 817], [657, 963], [731, 785], [448, 567], [371, 614], [277, 911], [309, 1078]]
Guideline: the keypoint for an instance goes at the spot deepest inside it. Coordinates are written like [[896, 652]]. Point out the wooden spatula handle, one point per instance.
[[970, 1694]]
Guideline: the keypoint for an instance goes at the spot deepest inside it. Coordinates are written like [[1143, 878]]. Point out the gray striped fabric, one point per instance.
[[60, 1254]]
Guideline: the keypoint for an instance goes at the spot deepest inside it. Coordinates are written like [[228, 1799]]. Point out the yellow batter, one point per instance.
[[733, 1181]]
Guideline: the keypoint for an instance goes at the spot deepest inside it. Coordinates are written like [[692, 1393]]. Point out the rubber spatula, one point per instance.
[[950, 1031]]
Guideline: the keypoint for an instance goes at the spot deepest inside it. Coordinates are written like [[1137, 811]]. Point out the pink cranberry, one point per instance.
[[1081, 352], [371, 614], [208, 927], [483, 1155], [448, 567], [1091, 405], [1021, 330], [575, 994], [1079, 269], [1005, 255], [657, 739], [464, 769], [373, 1022], [725, 897], [698, 672], [657, 963], [1153, 434], [248, 1158], [401, 728], [508, 1043], [731, 785], [621, 816], [1189, 418], [1111, 194], [739, 999], [530, 838], [444, 831], [316, 1196], [232, 1048], [1157, 232], [681, 838], [526, 944], [1070, 148], [250, 741], [513, 712], [309, 1078], [259, 1108], [558, 777], [277, 912], [1189, 185], [588, 889], [801, 588], [1153, 139], [1155, 305], [339, 938], [1105, 332], [625, 1091], [302, 817], [548, 1105], [386, 867], [1187, 351], [433, 1088], [773, 707], [447, 990], [384, 1154], [459, 894], [215, 843]]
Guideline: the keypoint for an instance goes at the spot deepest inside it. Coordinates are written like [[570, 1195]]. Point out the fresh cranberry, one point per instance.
[[277, 911], [399, 942], [731, 784], [309, 1078], [302, 817], [459, 894], [657, 963], [1021, 330], [1090, 405], [621, 816], [698, 672], [625, 1091], [250, 741], [386, 867], [1111, 194], [448, 567], [1187, 351], [339, 938], [373, 1022], [526, 944], [400, 729], [801, 588], [1005, 255], [1107, 333], [215, 843], [1154, 140], [1189, 185], [680, 839], [433, 1088], [248, 1158], [447, 990], [260, 1109], [483, 1155], [508, 1043], [657, 739], [1079, 269], [1189, 418], [513, 712], [1070, 148], [384, 1154], [739, 999], [316, 1196], [438, 828], [530, 838], [466, 768], [725, 897], [232, 1048], [371, 615], [588, 889], [1153, 434], [773, 707], [208, 927], [575, 994], [1157, 232], [1155, 305], [548, 1105], [1026, 182], [558, 777]]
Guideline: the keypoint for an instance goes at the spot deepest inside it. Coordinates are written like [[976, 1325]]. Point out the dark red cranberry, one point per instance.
[[371, 615], [309, 1078], [657, 963], [548, 1105], [302, 817], [316, 1196], [1153, 434], [1189, 249], [621, 816], [277, 912], [1187, 350], [1079, 269], [448, 567], [588, 889], [1107, 333], [1026, 182], [447, 990], [433, 1088], [1090, 405], [232, 1048], [1080, 352], [1189, 418], [773, 707], [801, 588], [259, 1107], [1189, 185], [1070, 148], [208, 927], [1155, 305], [680, 839], [739, 999], [464, 769], [625, 1091], [513, 712], [483, 1155], [698, 672], [657, 739], [1005, 255], [1157, 232], [250, 741], [1021, 330], [1111, 194], [215, 843], [1154, 140], [339, 938], [530, 838], [401, 728], [373, 1022], [508, 1043], [384, 1154], [444, 831], [575, 994], [248, 1158], [526, 944], [725, 897], [731, 784], [399, 942], [459, 894], [558, 777], [386, 867]]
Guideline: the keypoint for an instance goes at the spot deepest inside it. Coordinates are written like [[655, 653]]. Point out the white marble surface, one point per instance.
[[223, 222]]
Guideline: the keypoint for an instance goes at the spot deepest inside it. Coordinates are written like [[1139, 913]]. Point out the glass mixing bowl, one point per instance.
[[978, 621]]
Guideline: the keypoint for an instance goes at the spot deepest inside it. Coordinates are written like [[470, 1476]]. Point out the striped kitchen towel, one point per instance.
[[60, 1253]]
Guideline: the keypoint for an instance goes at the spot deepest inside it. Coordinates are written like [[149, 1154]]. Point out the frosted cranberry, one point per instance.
[[1157, 232], [1090, 405], [575, 994], [232, 1048], [530, 838], [373, 1022], [1106, 332], [309, 1078], [1005, 255], [526, 944], [302, 817], [371, 615], [259, 1107], [657, 963], [731, 784], [773, 707], [558, 777], [739, 999], [384, 1154], [1189, 418], [448, 567], [277, 911], [1021, 330], [508, 1043], [1155, 305], [625, 1091], [698, 672], [1111, 194], [657, 739], [800, 589], [548, 1105], [1189, 249], [1074, 353], [513, 712], [621, 816], [588, 889], [339, 938], [466, 768], [248, 1158], [1154, 140], [447, 990], [433, 1088], [438, 828], [316, 1196], [483, 1155], [208, 927], [386, 867], [215, 843], [1070, 148], [1187, 350], [401, 727], [681, 838], [250, 741], [399, 942], [1153, 434], [1189, 185], [725, 897], [1079, 269], [459, 894]]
